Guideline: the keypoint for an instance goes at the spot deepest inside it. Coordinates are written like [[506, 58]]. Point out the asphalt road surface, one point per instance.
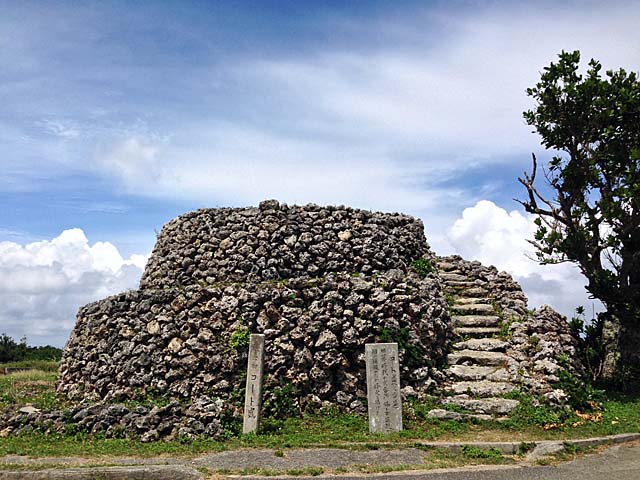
[[621, 462]]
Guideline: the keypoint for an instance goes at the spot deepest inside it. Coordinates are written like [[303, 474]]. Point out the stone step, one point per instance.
[[473, 291], [477, 357], [476, 320], [473, 308], [457, 285], [442, 414], [477, 332], [476, 372], [446, 266], [484, 344], [471, 300], [489, 406], [482, 388], [453, 277]]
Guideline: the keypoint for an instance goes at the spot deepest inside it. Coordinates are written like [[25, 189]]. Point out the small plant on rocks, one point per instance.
[[240, 337], [422, 267]]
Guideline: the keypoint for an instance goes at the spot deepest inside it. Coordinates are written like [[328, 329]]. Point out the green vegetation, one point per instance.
[[270, 472], [475, 452], [591, 348], [571, 452], [422, 267], [49, 366], [12, 351], [240, 337], [450, 298], [283, 427], [279, 403], [33, 387], [413, 355], [582, 395], [505, 329], [334, 429], [592, 218]]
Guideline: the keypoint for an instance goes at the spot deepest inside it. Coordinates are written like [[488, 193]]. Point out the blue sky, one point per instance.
[[117, 116]]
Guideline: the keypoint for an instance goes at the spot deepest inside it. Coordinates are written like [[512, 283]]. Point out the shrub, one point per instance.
[[413, 354]]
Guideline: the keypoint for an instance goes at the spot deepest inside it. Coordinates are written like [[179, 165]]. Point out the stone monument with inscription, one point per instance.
[[383, 387], [253, 390]]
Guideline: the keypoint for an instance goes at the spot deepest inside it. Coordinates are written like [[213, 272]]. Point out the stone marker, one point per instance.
[[383, 387], [253, 393]]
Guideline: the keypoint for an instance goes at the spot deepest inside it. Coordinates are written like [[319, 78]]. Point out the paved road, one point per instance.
[[620, 462]]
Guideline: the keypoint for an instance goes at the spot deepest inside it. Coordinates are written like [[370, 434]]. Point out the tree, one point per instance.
[[591, 216], [10, 350]]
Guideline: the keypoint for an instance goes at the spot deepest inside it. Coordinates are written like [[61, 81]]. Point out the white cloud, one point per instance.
[[63, 129], [490, 234], [381, 126], [244, 166], [136, 159], [42, 284]]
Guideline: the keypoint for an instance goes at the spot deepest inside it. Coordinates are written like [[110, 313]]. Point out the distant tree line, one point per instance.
[[17, 351]]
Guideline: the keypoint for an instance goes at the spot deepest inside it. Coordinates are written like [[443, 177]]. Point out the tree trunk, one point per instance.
[[621, 338]]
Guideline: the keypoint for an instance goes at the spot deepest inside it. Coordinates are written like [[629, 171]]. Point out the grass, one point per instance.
[[269, 472], [330, 429], [50, 366], [33, 387], [333, 430]]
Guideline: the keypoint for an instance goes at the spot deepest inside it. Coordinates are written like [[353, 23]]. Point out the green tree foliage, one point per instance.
[[591, 217], [12, 351]]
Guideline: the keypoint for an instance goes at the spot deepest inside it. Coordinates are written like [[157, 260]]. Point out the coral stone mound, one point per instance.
[[318, 282], [170, 358], [276, 241]]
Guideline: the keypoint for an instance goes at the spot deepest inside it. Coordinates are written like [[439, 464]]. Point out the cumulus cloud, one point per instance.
[[42, 284], [490, 234]]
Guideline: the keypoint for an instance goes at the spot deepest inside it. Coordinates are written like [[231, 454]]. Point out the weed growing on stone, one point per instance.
[[531, 413], [505, 329], [422, 267], [442, 458], [525, 447], [570, 452], [240, 337], [306, 471], [450, 298]]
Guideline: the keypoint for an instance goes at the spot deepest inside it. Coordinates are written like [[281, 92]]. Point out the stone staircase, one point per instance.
[[479, 370]]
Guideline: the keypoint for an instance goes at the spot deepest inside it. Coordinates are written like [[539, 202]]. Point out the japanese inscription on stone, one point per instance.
[[383, 387], [253, 393]]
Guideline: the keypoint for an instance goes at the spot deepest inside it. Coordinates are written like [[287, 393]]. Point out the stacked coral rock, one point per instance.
[[169, 360], [319, 282]]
